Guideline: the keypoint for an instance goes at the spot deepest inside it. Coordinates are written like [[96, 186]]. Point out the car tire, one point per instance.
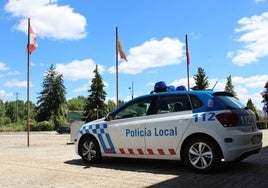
[[202, 154], [90, 150]]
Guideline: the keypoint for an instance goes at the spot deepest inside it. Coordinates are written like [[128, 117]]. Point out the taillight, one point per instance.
[[229, 119]]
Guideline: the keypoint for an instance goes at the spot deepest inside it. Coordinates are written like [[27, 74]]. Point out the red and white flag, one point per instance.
[[33, 41], [187, 53]]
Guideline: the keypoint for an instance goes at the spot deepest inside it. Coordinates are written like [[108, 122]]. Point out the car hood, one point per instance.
[[97, 121]]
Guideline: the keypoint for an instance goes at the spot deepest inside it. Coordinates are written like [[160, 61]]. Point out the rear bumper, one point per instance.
[[246, 154], [242, 145]]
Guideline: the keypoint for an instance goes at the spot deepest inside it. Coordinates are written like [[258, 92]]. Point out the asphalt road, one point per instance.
[[51, 162]]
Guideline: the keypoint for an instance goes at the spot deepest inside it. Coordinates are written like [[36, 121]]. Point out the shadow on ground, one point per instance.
[[251, 172]]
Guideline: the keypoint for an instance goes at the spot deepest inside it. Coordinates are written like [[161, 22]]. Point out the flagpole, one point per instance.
[[116, 59], [28, 86], [188, 61]]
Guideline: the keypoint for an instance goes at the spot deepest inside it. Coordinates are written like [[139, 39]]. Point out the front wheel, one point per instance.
[[202, 154], [90, 150]]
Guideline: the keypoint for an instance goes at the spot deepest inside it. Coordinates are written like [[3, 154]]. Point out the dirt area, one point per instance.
[[50, 161]]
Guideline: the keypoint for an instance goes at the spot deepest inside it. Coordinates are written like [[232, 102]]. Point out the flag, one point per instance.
[[121, 51], [33, 41], [187, 52]]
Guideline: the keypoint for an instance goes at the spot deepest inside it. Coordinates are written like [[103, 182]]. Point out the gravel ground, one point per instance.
[[50, 161]]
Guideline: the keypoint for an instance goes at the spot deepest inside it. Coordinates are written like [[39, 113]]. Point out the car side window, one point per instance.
[[173, 103], [136, 109], [195, 102]]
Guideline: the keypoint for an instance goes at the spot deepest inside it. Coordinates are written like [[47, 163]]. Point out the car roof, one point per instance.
[[186, 92], [199, 93], [204, 95]]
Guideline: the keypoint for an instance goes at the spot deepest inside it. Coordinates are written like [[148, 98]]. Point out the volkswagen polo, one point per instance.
[[201, 128]]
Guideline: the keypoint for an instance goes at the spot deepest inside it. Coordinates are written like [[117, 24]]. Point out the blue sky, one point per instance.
[[225, 37]]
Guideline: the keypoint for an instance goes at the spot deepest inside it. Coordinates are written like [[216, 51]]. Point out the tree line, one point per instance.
[[51, 109]]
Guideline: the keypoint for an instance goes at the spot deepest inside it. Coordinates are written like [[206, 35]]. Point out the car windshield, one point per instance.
[[231, 102]]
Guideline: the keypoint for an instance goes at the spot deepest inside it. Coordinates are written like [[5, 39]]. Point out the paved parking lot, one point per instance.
[[51, 162]]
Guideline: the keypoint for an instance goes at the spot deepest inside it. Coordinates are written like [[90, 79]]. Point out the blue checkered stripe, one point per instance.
[[104, 138]]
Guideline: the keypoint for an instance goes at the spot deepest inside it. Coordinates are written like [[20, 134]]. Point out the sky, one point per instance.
[[225, 38]]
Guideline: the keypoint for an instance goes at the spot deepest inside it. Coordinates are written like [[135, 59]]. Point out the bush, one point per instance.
[[58, 121], [10, 127], [42, 126], [5, 121]]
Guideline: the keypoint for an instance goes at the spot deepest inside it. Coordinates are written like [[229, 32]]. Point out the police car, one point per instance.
[[201, 128]]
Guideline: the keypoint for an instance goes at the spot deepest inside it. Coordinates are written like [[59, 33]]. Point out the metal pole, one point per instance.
[[116, 59], [132, 90], [28, 86], [188, 61]]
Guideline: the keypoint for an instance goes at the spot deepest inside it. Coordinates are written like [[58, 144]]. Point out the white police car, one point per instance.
[[199, 127]]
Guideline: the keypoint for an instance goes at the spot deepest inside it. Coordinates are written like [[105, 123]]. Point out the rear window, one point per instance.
[[230, 102], [172, 103]]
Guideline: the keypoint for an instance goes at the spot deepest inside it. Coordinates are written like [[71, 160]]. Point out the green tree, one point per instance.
[[251, 106], [11, 110], [229, 86], [52, 103], [265, 95], [2, 108], [76, 104], [111, 105], [14, 112], [20, 108], [95, 105], [33, 111], [201, 80], [3, 118]]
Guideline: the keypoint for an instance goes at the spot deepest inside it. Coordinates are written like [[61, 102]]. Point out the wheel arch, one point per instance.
[[195, 135], [87, 135]]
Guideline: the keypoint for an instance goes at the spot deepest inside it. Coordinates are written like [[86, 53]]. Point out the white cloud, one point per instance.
[[83, 88], [253, 32], [4, 95], [86, 87], [48, 19], [3, 67], [76, 69], [151, 54], [16, 83], [245, 87], [13, 73], [260, 1]]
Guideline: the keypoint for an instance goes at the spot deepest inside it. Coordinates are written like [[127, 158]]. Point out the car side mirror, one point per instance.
[[109, 117]]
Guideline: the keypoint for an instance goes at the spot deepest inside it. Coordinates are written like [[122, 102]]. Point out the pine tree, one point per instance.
[[201, 80], [76, 104], [95, 105], [229, 86], [251, 106], [265, 96], [52, 103]]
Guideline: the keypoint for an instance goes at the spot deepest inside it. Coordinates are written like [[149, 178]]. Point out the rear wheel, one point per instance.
[[202, 154], [90, 150]]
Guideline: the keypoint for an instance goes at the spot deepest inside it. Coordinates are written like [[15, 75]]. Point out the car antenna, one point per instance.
[[214, 86]]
